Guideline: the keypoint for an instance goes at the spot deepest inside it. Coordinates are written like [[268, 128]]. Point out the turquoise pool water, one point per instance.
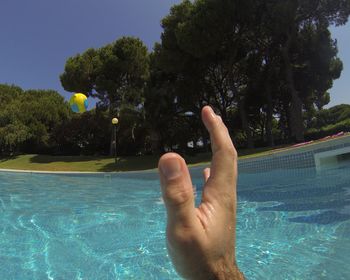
[[292, 224]]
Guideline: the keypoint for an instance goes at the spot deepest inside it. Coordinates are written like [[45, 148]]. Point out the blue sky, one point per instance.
[[37, 37], [340, 93]]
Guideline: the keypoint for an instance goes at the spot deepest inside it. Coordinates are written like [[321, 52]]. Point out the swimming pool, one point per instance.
[[292, 224]]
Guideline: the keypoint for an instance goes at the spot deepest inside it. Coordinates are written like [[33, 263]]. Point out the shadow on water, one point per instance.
[[327, 193], [324, 218]]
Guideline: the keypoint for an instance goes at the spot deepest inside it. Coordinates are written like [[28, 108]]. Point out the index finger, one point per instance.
[[224, 161]]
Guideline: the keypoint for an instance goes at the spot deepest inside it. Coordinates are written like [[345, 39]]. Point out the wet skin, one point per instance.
[[201, 241]]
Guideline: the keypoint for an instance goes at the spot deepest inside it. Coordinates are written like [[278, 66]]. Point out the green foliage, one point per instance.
[[330, 116], [330, 121], [79, 72], [262, 59], [12, 135], [328, 130], [132, 131], [87, 134], [27, 118], [8, 93], [90, 133], [265, 66], [12, 130], [338, 113], [115, 73]]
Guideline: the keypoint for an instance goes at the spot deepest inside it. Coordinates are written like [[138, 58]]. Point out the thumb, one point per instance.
[[177, 190]]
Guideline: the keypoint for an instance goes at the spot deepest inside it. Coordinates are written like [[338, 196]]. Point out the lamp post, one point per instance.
[[114, 142]]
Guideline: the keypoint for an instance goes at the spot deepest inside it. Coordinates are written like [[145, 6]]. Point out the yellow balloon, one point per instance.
[[78, 103]]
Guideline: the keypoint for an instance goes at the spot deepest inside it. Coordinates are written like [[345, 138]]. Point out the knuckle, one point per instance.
[[177, 194], [231, 151], [235, 155], [180, 236], [226, 129], [228, 202], [225, 200]]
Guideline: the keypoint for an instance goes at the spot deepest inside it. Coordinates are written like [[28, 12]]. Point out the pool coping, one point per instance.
[[74, 172]]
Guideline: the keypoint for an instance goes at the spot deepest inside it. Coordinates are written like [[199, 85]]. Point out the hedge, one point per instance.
[[314, 134]]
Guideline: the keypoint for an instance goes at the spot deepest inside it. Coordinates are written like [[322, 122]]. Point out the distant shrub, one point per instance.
[[314, 133], [240, 140]]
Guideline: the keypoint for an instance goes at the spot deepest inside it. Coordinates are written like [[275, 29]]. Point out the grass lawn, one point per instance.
[[101, 164], [107, 164]]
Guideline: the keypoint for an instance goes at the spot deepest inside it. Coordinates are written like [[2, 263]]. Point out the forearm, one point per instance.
[[228, 273], [220, 272]]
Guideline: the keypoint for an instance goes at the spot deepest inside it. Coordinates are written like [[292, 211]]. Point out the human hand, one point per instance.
[[201, 241]]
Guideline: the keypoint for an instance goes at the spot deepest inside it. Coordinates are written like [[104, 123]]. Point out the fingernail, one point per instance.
[[212, 113], [171, 168]]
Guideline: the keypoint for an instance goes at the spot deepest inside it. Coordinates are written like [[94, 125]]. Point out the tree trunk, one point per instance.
[[285, 121], [113, 147], [155, 138], [262, 132], [296, 108], [269, 116], [245, 123]]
